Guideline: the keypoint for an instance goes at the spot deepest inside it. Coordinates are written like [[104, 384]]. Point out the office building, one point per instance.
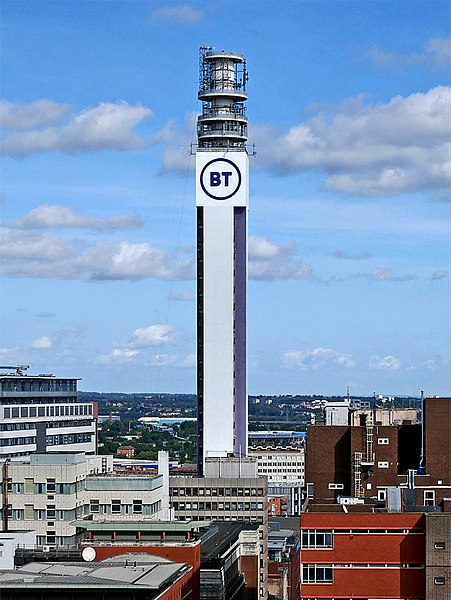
[[362, 556], [222, 205], [48, 492], [42, 413], [230, 491]]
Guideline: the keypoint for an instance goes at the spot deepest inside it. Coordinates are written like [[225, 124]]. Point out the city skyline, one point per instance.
[[349, 252]]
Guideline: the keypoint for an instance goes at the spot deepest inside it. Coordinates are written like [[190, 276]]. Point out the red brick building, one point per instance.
[[362, 556]]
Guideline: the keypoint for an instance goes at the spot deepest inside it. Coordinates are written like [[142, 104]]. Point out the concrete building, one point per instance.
[[230, 491], [48, 492], [42, 413], [438, 555], [10, 541], [280, 465], [222, 205], [123, 577], [280, 457]]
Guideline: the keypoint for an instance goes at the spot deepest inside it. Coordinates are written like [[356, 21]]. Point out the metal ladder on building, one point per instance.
[[357, 467]]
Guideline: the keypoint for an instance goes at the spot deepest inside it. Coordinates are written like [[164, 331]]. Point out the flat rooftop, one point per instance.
[[124, 572]]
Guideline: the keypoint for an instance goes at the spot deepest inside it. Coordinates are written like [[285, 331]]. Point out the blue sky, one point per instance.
[[349, 109]]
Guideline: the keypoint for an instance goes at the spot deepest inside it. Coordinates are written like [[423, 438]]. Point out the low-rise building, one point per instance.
[[47, 492], [123, 577]]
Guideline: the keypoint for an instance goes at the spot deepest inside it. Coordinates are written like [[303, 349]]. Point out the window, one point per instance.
[[115, 506], [439, 545], [310, 490], [317, 574], [383, 464], [94, 506], [336, 486], [439, 581], [381, 495], [317, 538], [29, 512], [383, 441], [429, 497], [29, 485], [51, 485], [51, 511], [137, 507]]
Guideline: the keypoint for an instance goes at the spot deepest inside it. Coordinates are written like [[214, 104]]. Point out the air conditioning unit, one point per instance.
[[46, 548]]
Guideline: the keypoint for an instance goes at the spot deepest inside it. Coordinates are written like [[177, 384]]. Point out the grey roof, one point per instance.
[[123, 571]]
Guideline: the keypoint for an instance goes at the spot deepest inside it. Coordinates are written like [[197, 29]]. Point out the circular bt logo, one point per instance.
[[220, 179]]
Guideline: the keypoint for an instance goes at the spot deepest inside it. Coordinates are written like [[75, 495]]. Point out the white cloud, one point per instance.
[[118, 356], [41, 343], [135, 261], [28, 253], [135, 348], [440, 274], [108, 126], [342, 254], [55, 215], [436, 51], [33, 254], [383, 149], [316, 359], [387, 275], [384, 363], [189, 361], [183, 296], [29, 116], [153, 335], [182, 14], [269, 261], [18, 248]]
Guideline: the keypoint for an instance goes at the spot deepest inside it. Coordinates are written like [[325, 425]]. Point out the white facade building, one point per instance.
[[222, 205], [48, 492], [42, 413], [280, 465]]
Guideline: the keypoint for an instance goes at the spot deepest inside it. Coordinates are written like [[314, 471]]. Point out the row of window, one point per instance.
[[281, 468], [324, 538], [49, 425], [322, 573], [216, 491], [218, 506], [118, 508], [71, 438], [20, 441], [27, 412], [29, 486], [39, 385]]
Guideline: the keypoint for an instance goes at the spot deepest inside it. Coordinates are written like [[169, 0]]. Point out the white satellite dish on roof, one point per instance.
[[88, 554]]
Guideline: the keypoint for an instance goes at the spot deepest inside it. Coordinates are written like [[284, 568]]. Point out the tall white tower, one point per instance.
[[222, 193]]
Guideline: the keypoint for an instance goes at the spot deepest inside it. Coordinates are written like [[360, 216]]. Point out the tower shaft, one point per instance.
[[222, 206]]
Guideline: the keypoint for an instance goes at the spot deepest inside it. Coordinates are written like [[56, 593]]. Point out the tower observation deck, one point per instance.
[[222, 193], [222, 91]]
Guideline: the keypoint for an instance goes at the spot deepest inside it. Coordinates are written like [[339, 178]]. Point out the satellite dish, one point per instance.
[[88, 554]]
